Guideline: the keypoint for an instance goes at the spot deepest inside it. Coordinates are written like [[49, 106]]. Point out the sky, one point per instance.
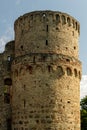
[[10, 10]]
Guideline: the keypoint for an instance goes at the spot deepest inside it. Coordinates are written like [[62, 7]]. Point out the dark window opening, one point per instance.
[[47, 28], [46, 42], [68, 21], [68, 101], [8, 81], [6, 98], [69, 72], [9, 122], [76, 26], [30, 69], [68, 60], [57, 28], [75, 72], [20, 122], [74, 48], [63, 19], [49, 68], [73, 23], [58, 18], [22, 47]]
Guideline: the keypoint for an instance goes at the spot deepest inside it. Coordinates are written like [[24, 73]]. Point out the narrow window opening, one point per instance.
[[68, 21], [76, 26], [46, 42], [47, 28], [49, 68], [75, 72], [63, 19], [9, 122], [22, 47], [73, 23], [20, 122], [58, 18]]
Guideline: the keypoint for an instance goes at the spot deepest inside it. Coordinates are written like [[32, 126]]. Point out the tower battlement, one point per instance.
[[47, 16], [46, 32]]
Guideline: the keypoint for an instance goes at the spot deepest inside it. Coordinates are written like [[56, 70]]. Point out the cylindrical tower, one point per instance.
[[46, 72]]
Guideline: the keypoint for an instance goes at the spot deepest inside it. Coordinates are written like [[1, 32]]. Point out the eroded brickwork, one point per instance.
[[44, 74]]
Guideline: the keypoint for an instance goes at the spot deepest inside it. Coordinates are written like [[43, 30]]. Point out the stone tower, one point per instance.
[[45, 72]]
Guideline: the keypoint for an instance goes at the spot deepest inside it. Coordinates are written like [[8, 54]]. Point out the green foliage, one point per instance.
[[83, 104]]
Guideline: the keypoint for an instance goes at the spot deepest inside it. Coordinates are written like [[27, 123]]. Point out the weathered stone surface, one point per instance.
[[42, 74]]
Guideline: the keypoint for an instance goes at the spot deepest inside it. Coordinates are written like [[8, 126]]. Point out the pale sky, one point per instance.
[[10, 10]]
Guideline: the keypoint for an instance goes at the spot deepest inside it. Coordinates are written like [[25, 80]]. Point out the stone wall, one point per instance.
[[5, 86]]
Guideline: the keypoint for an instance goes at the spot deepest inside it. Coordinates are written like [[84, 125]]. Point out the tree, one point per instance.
[[83, 104]]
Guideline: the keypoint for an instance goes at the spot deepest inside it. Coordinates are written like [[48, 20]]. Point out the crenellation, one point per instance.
[[47, 16]]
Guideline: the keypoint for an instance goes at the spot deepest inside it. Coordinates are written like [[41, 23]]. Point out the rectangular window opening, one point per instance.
[[47, 28], [46, 42]]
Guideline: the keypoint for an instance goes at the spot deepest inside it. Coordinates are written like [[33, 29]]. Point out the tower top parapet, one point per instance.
[[49, 16]]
